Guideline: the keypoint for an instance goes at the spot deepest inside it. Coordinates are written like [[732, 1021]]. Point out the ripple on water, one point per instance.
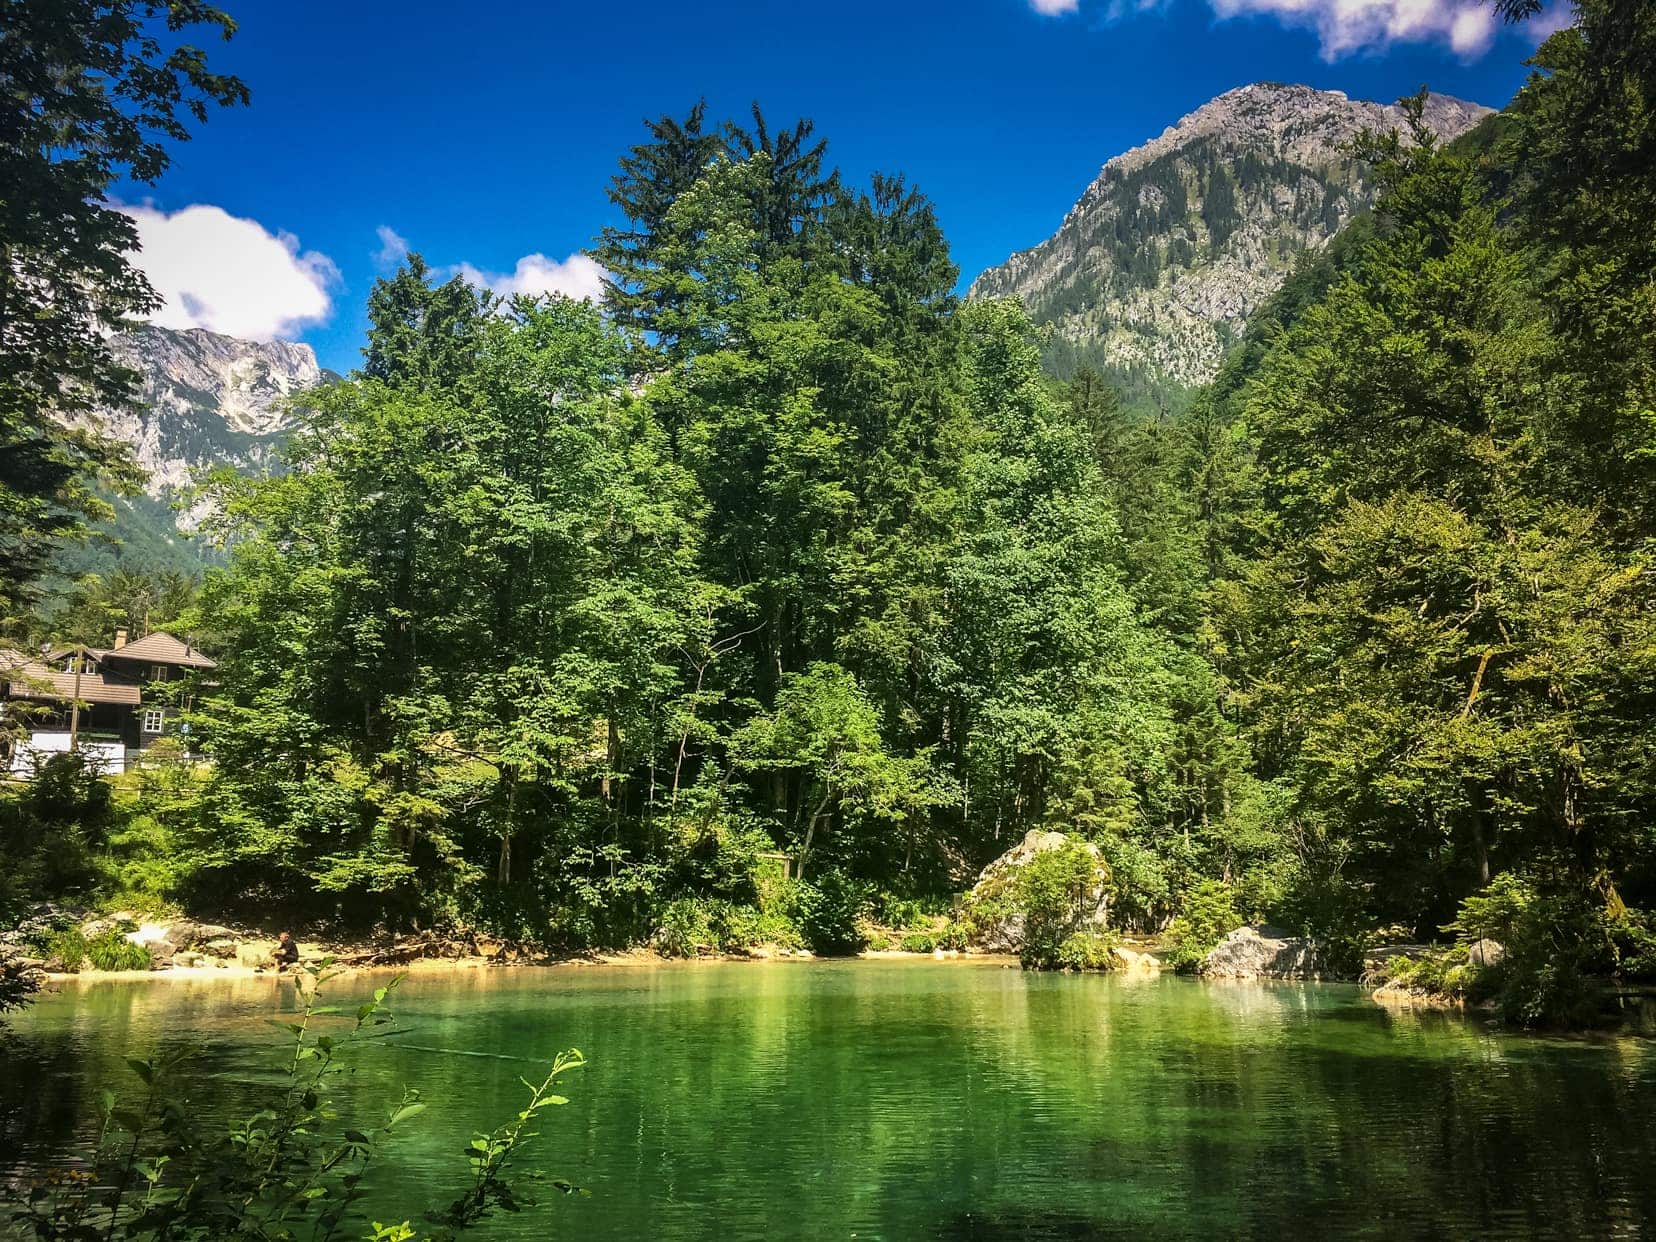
[[902, 1100]]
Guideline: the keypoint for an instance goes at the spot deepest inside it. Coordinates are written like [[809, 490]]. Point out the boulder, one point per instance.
[[255, 952], [1261, 952], [224, 947], [187, 958], [1485, 953], [1131, 962], [996, 925]]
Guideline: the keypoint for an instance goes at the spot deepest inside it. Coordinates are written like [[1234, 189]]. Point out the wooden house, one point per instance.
[[111, 704]]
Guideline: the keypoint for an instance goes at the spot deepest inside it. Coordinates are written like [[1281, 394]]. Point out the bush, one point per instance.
[[68, 947], [919, 942], [829, 912], [1088, 950], [691, 926], [1553, 941], [111, 950], [1209, 916], [908, 913], [1443, 973], [1052, 891], [687, 929], [16, 984]]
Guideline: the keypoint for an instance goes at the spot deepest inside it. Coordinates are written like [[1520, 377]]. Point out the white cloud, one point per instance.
[[229, 274], [1346, 27], [576, 277], [393, 247], [1549, 22]]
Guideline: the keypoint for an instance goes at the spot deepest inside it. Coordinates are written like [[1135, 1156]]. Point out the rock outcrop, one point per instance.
[[1261, 952], [1177, 242], [204, 400], [994, 917]]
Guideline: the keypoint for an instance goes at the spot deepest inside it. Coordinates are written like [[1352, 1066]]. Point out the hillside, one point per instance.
[[205, 400], [1154, 273]]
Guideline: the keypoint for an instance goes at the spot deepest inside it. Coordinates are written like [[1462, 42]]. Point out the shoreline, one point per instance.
[[637, 958]]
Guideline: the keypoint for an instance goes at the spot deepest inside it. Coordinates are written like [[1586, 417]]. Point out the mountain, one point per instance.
[[205, 400], [1154, 272]]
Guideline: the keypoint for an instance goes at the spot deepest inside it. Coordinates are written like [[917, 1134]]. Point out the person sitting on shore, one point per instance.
[[287, 952]]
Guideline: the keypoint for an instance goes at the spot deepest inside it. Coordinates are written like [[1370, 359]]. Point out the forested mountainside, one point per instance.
[[203, 400], [1154, 273]]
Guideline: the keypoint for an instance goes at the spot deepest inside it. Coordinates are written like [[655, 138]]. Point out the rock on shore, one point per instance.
[[1261, 952], [1000, 927]]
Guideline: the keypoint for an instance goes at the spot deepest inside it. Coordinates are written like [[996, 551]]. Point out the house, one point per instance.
[[111, 705]]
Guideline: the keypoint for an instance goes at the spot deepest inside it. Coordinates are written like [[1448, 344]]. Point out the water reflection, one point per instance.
[[941, 1100]]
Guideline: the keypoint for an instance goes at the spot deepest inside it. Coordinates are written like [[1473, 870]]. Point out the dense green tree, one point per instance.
[[95, 92]]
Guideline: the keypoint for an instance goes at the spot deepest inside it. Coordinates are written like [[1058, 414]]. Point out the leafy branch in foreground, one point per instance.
[[289, 1171]]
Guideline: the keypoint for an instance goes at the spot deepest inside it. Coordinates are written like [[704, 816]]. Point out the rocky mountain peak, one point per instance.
[[247, 383], [1157, 267]]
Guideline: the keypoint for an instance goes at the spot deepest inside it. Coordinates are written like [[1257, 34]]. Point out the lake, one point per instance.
[[890, 1099]]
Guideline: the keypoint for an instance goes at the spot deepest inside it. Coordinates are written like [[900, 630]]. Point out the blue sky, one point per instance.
[[485, 134]]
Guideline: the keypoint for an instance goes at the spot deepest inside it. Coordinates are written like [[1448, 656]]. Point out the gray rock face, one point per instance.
[[1262, 952], [1178, 241], [1003, 930], [204, 400], [1485, 953]]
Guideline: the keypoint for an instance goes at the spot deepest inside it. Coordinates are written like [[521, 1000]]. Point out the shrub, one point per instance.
[[686, 929], [908, 913], [1053, 890], [691, 926], [1088, 950], [17, 985], [1553, 940], [829, 912], [1209, 916], [110, 950], [1440, 972], [919, 942], [68, 947]]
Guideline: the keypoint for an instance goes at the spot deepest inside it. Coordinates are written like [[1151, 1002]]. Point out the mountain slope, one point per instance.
[[1154, 272], [205, 400]]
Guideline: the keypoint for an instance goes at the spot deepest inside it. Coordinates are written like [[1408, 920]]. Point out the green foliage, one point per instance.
[[1055, 891], [53, 830], [830, 911], [17, 985], [1210, 914], [1087, 950], [111, 950], [692, 926], [93, 99], [68, 948]]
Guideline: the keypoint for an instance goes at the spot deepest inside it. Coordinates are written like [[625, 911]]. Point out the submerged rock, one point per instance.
[[1261, 952], [997, 924]]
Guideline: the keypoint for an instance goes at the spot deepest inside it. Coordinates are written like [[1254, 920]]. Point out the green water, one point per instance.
[[899, 1100]]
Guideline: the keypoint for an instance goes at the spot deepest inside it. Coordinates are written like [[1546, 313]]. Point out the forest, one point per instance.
[[564, 620]]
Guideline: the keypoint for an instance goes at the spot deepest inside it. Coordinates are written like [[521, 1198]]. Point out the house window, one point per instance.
[[158, 672], [153, 717]]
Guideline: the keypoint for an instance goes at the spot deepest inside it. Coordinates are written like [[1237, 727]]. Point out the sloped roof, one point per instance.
[[30, 679], [160, 648]]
